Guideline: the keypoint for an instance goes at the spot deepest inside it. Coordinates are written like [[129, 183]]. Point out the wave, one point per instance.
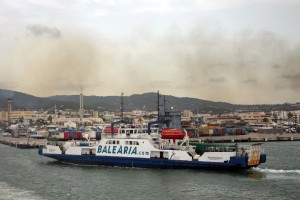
[[8, 192], [277, 171]]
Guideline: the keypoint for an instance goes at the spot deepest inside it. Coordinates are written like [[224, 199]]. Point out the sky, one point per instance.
[[235, 51]]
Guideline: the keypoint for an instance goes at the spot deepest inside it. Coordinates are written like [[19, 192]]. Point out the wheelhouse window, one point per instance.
[[113, 142], [132, 143]]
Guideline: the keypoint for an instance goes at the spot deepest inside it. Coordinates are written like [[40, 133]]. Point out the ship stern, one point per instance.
[[263, 158], [40, 152]]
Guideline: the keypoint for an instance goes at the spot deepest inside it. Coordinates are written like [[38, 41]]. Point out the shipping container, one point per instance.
[[205, 131], [220, 131], [215, 131], [78, 135], [238, 131], [71, 133], [107, 130], [66, 135], [185, 123], [231, 131]]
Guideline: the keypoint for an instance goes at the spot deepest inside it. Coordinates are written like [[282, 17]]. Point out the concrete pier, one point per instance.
[[26, 143], [251, 137], [23, 142]]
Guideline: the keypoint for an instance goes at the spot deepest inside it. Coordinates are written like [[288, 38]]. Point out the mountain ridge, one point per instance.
[[145, 101]]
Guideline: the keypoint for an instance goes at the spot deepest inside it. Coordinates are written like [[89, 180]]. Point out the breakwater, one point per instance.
[[251, 137], [27, 143], [23, 142]]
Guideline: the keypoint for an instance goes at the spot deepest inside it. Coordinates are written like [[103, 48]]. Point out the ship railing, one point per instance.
[[185, 140], [193, 153], [136, 130], [220, 149]]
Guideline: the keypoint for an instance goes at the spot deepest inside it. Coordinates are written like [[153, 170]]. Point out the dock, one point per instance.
[[23, 142], [251, 137], [28, 143]]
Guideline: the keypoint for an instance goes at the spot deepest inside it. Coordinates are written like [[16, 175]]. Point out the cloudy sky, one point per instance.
[[237, 51]]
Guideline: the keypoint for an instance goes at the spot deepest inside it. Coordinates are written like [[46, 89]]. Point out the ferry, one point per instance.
[[169, 148]]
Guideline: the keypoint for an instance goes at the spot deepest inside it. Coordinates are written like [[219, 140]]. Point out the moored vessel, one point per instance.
[[148, 146], [136, 148]]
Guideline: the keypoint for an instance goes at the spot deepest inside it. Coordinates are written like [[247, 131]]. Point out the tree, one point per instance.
[[40, 122], [49, 118], [265, 120], [21, 119], [290, 115], [275, 118]]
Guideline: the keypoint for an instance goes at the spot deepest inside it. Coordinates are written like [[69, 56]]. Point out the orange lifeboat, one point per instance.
[[172, 134]]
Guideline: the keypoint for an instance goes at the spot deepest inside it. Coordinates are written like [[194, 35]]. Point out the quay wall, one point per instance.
[[251, 137], [25, 143]]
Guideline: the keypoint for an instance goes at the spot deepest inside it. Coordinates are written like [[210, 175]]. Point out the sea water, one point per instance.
[[26, 175]]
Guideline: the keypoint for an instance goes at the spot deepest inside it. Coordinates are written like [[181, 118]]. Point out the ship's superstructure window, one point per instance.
[[132, 143], [113, 142]]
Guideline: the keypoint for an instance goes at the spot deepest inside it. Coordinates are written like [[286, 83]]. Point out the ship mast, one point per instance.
[[122, 116]]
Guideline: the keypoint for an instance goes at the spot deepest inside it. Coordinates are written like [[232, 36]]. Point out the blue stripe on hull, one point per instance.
[[235, 162]]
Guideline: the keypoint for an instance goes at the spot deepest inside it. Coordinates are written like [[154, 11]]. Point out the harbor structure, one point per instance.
[[9, 103], [81, 106], [11, 115]]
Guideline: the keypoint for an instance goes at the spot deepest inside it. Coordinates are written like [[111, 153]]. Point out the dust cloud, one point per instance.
[[52, 63], [244, 67]]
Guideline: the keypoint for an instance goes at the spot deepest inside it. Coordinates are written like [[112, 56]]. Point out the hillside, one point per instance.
[[146, 101], [26, 101]]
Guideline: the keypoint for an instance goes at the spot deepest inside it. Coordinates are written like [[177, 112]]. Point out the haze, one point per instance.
[[244, 52]]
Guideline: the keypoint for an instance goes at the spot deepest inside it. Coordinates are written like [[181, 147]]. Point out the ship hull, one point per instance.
[[233, 164]]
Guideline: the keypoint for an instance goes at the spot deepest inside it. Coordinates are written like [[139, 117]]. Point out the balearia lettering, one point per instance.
[[117, 150]]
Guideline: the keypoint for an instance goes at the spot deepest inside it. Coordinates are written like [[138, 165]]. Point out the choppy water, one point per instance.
[[26, 175]]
